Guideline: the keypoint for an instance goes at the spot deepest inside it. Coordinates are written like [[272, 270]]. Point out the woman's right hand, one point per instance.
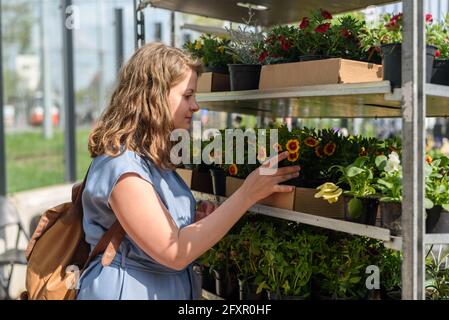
[[259, 185]]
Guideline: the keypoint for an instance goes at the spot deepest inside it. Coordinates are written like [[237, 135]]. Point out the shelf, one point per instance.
[[318, 221], [358, 100], [279, 11], [210, 296], [361, 100]]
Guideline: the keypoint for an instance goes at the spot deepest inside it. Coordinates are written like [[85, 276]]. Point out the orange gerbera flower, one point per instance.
[[329, 148], [233, 170], [292, 145], [319, 152], [363, 152], [429, 159], [311, 142], [277, 147], [292, 157]]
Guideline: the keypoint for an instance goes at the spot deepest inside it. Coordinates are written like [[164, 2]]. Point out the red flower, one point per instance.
[[263, 56], [319, 152], [322, 28], [437, 54], [396, 18], [429, 18], [285, 44], [329, 149], [345, 33], [311, 142], [326, 14], [304, 23]]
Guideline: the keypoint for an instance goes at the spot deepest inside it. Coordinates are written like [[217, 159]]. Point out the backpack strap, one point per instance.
[[111, 239]]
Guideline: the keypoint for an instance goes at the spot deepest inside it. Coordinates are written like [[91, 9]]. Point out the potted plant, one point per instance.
[[212, 51], [387, 37], [245, 72], [341, 272], [287, 271], [437, 195], [437, 274], [440, 35], [360, 203], [389, 184], [246, 253]]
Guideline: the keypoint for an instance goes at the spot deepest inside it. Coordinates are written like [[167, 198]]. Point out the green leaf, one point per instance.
[[353, 171], [445, 206], [428, 204], [381, 162]]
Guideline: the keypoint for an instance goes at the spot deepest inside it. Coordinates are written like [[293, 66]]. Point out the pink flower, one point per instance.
[[304, 23], [326, 14], [429, 18], [322, 28]]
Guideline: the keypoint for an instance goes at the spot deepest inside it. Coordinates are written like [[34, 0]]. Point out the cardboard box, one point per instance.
[[196, 180], [302, 200], [328, 71], [285, 200], [306, 202], [213, 82]]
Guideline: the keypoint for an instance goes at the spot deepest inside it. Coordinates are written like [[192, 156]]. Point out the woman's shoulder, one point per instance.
[[110, 168]]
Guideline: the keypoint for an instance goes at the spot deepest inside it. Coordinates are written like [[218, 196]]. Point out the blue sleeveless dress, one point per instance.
[[133, 274]]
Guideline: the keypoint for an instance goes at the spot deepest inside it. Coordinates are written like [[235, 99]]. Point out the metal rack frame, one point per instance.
[[366, 100]]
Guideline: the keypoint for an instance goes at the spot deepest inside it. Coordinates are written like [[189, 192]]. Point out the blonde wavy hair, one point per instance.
[[138, 116]]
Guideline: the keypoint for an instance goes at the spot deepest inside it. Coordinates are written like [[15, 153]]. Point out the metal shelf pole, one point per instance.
[[413, 124]]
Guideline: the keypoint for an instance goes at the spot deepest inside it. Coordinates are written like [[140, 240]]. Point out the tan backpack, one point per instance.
[[58, 253]]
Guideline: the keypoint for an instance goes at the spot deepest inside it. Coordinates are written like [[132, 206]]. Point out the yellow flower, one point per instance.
[[292, 145], [311, 142], [198, 45], [221, 49], [292, 157], [429, 159], [329, 148], [233, 170]]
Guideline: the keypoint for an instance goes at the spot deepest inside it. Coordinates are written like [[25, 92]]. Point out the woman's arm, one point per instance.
[[148, 223]]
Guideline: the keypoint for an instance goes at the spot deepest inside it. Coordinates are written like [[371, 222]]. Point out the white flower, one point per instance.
[[393, 163]]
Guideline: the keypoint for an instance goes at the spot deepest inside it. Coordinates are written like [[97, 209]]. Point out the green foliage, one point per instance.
[[211, 50]]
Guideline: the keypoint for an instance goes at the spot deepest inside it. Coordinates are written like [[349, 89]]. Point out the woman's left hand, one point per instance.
[[205, 208]]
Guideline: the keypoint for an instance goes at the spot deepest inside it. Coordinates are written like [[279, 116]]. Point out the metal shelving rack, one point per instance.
[[372, 100]]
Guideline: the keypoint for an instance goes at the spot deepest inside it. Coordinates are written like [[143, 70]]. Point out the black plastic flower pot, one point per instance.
[[440, 73], [361, 210], [222, 70], [437, 220], [392, 63], [226, 285], [218, 181], [244, 76], [390, 216], [247, 291], [205, 277]]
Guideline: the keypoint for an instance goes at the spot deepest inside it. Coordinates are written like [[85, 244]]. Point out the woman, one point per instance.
[[131, 179]]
